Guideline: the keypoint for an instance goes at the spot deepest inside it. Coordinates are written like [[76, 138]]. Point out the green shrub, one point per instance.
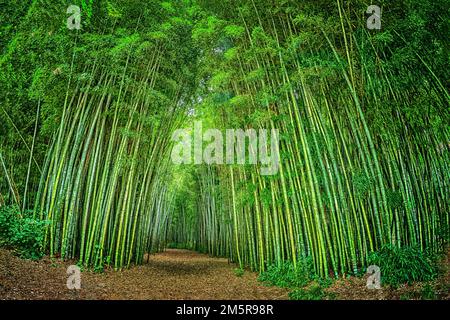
[[284, 275], [175, 245], [21, 232], [403, 265], [314, 292], [239, 272]]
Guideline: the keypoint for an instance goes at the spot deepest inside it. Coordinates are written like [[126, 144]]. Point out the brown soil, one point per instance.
[[173, 274]]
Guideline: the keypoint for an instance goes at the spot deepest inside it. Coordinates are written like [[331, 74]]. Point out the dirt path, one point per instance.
[[174, 274]]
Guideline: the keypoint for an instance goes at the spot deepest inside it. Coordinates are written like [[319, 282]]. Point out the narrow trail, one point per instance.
[[173, 274]]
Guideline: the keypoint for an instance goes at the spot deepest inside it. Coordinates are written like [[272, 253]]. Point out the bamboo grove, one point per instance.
[[346, 186], [363, 118]]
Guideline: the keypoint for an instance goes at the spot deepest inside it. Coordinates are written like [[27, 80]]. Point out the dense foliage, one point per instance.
[[286, 276]]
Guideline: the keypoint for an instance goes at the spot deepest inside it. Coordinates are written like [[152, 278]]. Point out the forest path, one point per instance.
[[173, 274]]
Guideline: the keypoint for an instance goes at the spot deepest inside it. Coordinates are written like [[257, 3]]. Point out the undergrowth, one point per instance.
[[239, 272], [404, 265]]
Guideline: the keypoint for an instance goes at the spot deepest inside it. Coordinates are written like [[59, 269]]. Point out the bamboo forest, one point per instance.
[[262, 149]]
